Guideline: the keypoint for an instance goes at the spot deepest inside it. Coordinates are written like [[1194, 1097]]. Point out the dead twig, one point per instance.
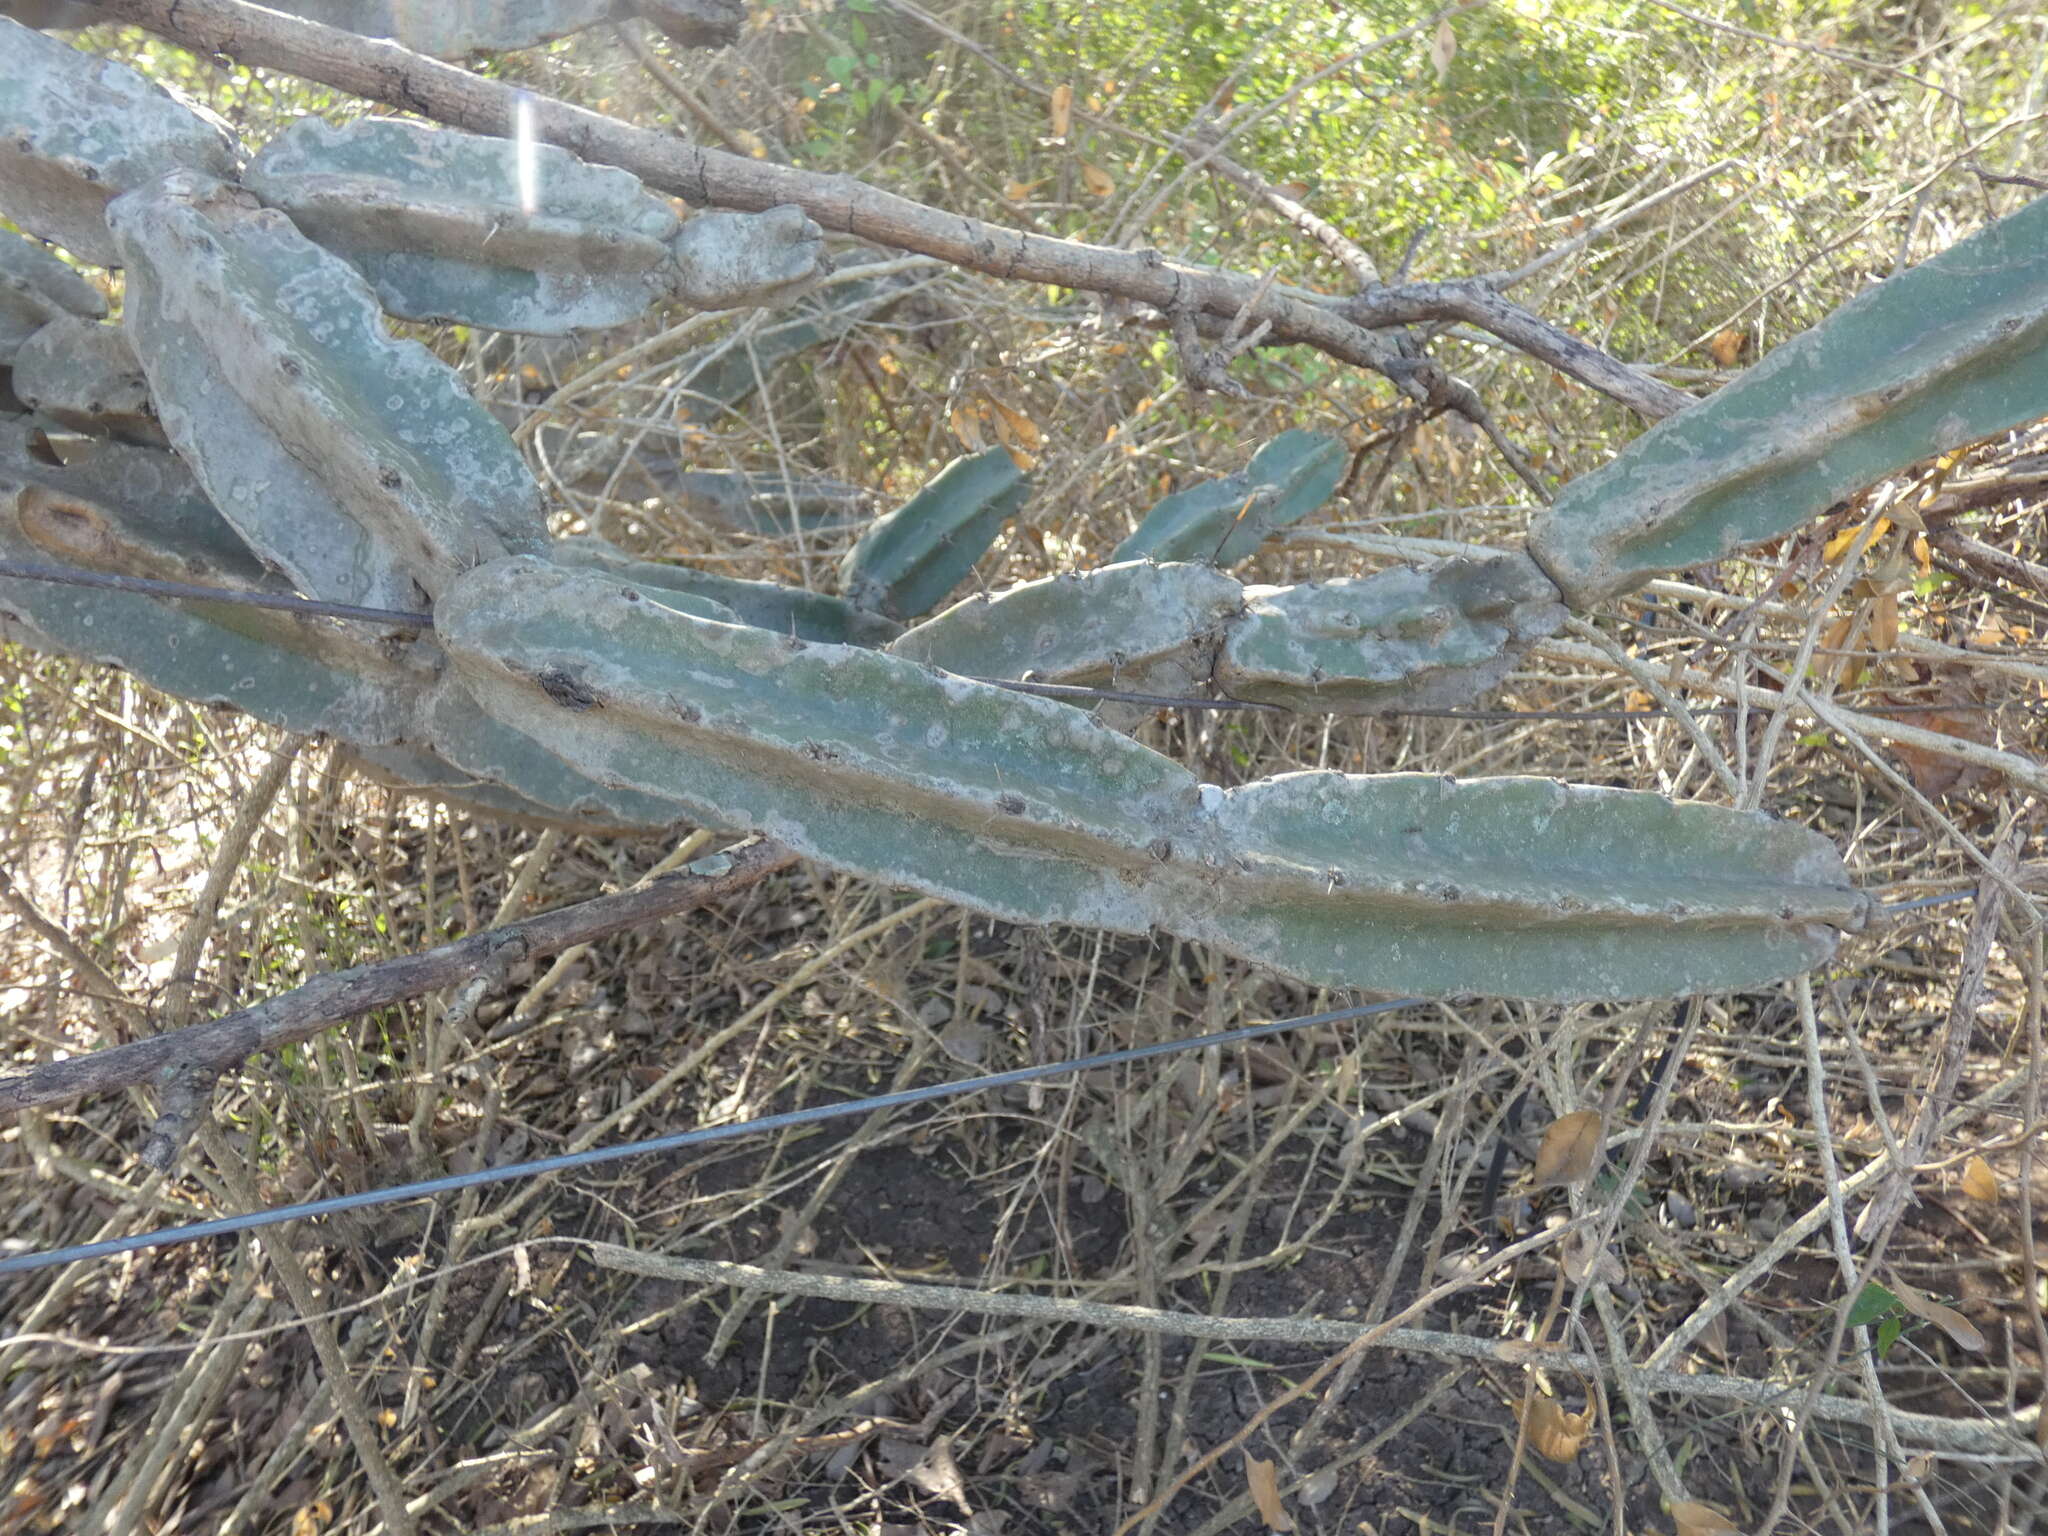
[[1957, 1031], [341, 995]]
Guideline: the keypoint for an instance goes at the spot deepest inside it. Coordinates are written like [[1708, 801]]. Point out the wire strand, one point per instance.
[[224, 1226], [248, 1221]]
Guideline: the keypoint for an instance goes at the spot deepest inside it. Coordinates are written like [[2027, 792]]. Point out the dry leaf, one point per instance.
[[1727, 347], [1831, 662], [1570, 1149], [1947, 1319], [1884, 622], [1702, 1520], [1062, 110], [1584, 1260], [1264, 1482], [1442, 49], [1096, 179], [1015, 428], [1555, 1433], [1979, 1182], [967, 428], [1839, 545], [1936, 774]]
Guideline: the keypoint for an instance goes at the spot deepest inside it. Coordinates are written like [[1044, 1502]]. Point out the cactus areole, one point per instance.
[[253, 425]]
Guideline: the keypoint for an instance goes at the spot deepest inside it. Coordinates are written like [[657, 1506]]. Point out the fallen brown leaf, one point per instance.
[[1554, 1433], [1979, 1182], [1570, 1148], [1264, 1481]]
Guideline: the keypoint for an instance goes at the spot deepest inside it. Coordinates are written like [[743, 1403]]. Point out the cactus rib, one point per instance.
[[1222, 521], [910, 558], [84, 375]]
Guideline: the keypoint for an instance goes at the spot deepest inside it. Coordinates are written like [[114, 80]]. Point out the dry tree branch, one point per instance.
[[1959, 1435], [337, 996], [385, 72]]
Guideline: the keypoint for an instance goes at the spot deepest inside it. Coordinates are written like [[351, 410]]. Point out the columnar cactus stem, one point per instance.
[[1027, 808]]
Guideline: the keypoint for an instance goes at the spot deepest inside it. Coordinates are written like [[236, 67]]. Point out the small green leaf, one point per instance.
[[1873, 1303], [1888, 1334]]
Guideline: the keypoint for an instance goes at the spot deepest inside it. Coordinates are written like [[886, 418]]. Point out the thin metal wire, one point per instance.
[[224, 1226], [148, 586]]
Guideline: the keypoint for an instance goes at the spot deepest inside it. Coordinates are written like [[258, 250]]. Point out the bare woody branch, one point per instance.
[[385, 72], [338, 996]]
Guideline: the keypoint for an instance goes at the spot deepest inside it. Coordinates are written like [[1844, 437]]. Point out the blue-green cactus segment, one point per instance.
[[1398, 639], [303, 675], [1138, 627], [482, 231], [451, 29], [765, 604], [1223, 521], [137, 512], [1527, 887], [909, 559], [83, 374], [417, 771], [1032, 810], [78, 131], [356, 463], [36, 288], [1941, 355], [478, 747]]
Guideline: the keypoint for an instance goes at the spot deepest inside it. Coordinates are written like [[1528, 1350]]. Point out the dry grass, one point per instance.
[[508, 1380]]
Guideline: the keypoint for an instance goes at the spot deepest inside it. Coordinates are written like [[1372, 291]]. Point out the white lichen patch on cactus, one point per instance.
[[78, 131]]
